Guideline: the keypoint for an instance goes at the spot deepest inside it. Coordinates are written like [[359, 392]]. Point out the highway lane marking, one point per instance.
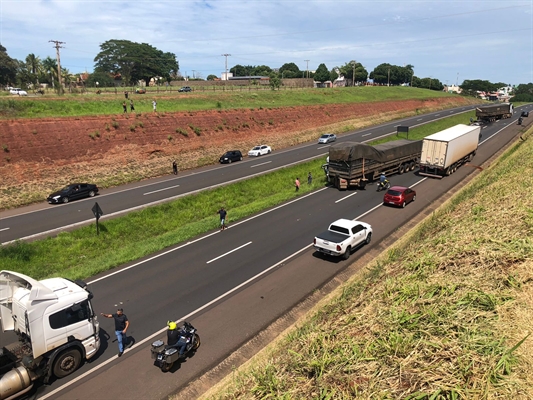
[[257, 165], [160, 190], [436, 115], [229, 252], [4, 229], [323, 147], [366, 134], [344, 198]]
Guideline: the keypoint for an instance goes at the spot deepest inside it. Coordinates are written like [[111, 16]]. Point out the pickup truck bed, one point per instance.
[[332, 236]]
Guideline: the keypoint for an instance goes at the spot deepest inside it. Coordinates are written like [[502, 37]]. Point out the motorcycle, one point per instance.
[[520, 121], [166, 356], [385, 185]]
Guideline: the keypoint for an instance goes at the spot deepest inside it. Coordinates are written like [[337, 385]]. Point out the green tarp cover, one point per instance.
[[350, 151]]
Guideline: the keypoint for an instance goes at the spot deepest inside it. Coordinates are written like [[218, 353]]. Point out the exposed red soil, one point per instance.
[[36, 149]]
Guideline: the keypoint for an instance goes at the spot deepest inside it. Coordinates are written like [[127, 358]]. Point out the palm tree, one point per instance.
[[50, 67], [33, 63]]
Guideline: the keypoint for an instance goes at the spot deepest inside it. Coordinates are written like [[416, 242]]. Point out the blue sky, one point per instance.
[[447, 40]]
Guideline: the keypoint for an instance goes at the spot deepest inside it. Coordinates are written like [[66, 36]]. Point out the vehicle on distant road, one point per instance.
[[327, 137], [524, 114], [260, 150], [140, 91], [342, 237], [399, 196], [18, 91], [73, 192], [185, 89], [230, 156]]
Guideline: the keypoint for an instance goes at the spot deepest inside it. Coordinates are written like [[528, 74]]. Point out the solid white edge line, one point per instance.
[[4, 229], [229, 252], [160, 190]]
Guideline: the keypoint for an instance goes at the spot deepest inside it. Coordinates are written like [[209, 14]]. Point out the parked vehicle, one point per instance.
[[327, 138], [166, 356], [259, 150], [445, 151], [383, 185], [185, 89], [73, 192], [230, 156], [343, 236], [56, 327], [399, 196], [494, 112], [353, 164], [18, 91]]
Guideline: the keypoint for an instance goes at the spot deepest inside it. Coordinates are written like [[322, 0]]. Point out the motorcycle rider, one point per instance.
[[520, 120], [176, 337], [382, 180]]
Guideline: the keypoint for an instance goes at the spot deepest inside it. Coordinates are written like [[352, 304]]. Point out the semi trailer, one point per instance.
[[445, 151], [352, 164], [494, 112]]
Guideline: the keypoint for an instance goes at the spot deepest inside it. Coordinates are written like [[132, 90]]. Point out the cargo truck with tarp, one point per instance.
[[352, 164], [494, 112]]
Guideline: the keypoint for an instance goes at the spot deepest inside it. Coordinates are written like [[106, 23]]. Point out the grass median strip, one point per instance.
[[81, 253]]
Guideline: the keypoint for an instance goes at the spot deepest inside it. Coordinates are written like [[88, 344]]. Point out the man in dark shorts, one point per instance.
[[223, 214], [121, 326]]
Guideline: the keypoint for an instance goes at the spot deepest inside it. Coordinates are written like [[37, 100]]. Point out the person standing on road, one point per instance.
[[309, 178], [297, 184], [223, 213], [121, 326], [175, 167]]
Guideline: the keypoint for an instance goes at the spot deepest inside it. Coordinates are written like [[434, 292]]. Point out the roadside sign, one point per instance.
[[97, 211]]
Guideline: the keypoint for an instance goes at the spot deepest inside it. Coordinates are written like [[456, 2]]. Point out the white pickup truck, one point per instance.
[[342, 237]]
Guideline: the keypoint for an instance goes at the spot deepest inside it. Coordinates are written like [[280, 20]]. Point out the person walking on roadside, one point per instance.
[[309, 178], [124, 106], [154, 105], [297, 184], [132, 108], [175, 167], [223, 213], [121, 326]]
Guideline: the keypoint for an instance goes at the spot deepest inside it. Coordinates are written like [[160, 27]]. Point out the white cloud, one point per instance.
[[480, 39]]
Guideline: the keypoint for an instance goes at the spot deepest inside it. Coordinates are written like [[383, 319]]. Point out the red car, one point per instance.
[[399, 196]]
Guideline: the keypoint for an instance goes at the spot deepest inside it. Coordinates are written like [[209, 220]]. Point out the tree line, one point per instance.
[[128, 62]]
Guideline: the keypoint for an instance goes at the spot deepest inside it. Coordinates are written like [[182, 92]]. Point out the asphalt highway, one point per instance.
[[46, 220], [232, 285]]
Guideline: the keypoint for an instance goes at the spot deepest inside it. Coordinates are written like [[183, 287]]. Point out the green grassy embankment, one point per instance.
[[77, 105], [445, 313]]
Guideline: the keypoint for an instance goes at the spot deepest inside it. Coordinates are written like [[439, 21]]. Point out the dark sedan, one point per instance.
[[73, 192], [230, 156], [399, 196]]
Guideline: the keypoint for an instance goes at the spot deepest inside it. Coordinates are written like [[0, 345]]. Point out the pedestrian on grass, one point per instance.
[[297, 184], [223, 213], [121, 326], [132, 108], [124, 106], [309, 178], [175, 167], [154, 105], [126, 94]]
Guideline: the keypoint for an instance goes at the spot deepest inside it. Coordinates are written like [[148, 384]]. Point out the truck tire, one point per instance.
[[67, 362], [401, 169], [412, 166], [346, 254]]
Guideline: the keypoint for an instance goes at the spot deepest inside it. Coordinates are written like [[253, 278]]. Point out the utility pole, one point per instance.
[[307, 69], [58, 46], [226, 55], [457, 80], [388, 78], [412, 76], [353, 76], [193, 71]]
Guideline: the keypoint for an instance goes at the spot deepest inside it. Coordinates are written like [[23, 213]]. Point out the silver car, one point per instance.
[[327, 137]]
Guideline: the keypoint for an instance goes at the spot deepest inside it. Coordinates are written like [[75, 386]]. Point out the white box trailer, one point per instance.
[[445, 151]]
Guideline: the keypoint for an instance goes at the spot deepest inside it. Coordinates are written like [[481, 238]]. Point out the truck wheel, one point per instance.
[[368, 238], [412, 166], [346, 254], [66, 363], [401, 170]]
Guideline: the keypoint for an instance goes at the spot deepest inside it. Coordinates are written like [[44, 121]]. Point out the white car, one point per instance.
[[259, 150], [327, 137], [18, 91]]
